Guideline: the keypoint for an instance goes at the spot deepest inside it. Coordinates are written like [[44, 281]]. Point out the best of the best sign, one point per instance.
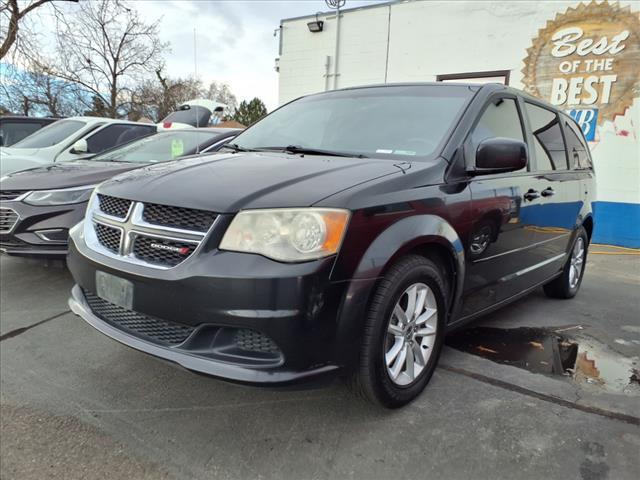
[[587, 61]]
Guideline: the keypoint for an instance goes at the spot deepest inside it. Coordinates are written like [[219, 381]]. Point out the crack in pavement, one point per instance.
[[21, 330], [621, 417]]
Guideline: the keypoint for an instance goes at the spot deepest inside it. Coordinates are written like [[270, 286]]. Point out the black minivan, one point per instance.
[[346, 232]]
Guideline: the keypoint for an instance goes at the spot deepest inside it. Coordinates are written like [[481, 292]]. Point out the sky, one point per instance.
[[235, 40]]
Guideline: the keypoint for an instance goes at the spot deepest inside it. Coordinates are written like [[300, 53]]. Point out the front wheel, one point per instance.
[[568, 283], [403, 333]]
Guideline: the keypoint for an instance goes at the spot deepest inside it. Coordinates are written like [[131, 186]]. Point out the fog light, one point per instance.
[[57, 235]]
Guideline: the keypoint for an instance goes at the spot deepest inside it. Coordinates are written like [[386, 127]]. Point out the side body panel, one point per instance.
[[501, 240]]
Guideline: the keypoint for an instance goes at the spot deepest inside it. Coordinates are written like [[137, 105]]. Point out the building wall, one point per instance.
[[418, 40]]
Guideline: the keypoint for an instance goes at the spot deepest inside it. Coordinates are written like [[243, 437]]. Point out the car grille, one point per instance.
[[178, 217], [11, 194], [109, 237], [152, 328], [8, 219], [158, 236], [254, 341], [116, 207], [161, 251]]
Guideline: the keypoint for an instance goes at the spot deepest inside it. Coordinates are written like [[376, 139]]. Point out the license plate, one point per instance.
[[114, 289]]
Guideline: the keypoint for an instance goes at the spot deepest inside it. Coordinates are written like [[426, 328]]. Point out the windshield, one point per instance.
[[160, 147], [387, 122], [51, 134]]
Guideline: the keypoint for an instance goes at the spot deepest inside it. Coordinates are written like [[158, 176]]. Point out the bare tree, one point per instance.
[[221, 92], [156, 98], [11, 17], [29, 90], [106, 48]]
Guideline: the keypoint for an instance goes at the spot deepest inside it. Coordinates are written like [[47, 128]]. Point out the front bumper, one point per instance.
[[40, 231], [218, 293], [189, 360]]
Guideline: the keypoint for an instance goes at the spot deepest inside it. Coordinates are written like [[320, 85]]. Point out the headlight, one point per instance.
[[63, 196], [287, 235]]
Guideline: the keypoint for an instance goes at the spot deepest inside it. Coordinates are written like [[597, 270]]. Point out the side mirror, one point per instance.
[[80, 147], [498, 155]]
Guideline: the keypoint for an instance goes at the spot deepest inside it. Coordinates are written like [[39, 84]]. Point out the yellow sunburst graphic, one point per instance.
[[587, 57]]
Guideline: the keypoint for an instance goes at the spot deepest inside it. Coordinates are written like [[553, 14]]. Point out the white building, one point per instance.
[[581, 56]]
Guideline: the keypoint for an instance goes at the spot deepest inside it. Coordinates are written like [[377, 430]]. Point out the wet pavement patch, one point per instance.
[[553, 351]]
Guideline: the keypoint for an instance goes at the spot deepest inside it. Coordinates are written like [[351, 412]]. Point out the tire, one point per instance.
[[567, 285], [373, 378]]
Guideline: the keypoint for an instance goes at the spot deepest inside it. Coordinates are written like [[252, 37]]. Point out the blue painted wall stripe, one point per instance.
[[617, 223]]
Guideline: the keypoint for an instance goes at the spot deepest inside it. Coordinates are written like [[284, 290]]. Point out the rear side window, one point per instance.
[[576, 147], [547, 138], [114, 135]]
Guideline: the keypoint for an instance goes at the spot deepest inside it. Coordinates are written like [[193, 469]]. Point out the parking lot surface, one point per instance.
[[75, 404]]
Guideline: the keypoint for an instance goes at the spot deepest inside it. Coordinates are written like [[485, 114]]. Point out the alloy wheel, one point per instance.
[[576, 263], [411, 334]]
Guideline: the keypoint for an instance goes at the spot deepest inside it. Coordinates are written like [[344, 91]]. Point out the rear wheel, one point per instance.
[[403, 333], [568, 283]]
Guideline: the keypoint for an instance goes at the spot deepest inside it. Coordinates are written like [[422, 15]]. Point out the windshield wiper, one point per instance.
[[235, 147], [315, 151]]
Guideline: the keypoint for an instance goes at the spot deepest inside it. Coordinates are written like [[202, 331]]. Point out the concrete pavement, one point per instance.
[[75, 404]]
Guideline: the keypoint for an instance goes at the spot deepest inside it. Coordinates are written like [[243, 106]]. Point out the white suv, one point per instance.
[[70, 139]]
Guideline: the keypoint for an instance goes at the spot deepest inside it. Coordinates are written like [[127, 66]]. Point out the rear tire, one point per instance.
[[401, 344], [568, 283]]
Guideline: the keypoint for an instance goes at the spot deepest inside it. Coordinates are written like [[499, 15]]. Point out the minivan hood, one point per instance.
[[65, 174], [227, 183]]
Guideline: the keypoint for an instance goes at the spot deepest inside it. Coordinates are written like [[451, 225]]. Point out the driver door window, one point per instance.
[[500, 119]]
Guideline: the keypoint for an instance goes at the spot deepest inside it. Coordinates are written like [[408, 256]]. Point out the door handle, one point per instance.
[[548, 192], [531, 194]]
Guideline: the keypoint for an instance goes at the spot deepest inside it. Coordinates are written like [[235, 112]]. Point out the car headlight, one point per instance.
[[64, 196], [287, 234]]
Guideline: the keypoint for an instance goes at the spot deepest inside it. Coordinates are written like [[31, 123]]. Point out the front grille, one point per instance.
[[109, 237], [161, 251], [116, 207], [254, 341], [11, 194], [178, 217], [139, 324], [8, 219], [160, 236]]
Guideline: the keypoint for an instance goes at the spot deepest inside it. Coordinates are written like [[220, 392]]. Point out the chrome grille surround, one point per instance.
[[8, 219], [173, 245]]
